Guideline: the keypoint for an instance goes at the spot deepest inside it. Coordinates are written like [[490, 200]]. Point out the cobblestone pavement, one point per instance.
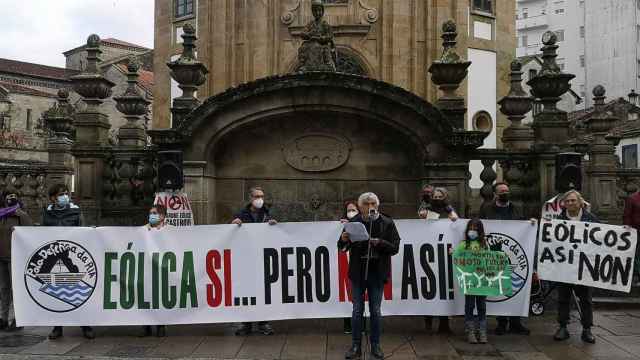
[[618, 337]]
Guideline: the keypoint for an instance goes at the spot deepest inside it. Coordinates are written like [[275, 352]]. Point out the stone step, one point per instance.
[[616, 302]]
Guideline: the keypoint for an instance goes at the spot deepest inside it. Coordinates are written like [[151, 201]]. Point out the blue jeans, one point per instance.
[[479, 303], [373, 287]]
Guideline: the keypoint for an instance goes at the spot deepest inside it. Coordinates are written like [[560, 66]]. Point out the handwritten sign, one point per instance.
[[483, 273]]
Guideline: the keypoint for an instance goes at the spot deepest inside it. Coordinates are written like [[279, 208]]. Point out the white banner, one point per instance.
[[591, 254], [230, 273], [179, 211]]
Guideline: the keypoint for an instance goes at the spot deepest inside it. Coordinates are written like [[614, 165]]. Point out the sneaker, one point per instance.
[[482, 336], [353, 353], [347, 327], [519, 329], [376, 351], [56, 333], [87, 332], [471, 334], [244, 330], [561, 334], [587, 336], [265, 329]]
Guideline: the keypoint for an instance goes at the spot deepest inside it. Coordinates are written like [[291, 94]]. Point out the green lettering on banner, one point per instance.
[[142, 304], [155, 281], [188, 283], [482, 273], [127, 279], [168, 292], [108, 279]]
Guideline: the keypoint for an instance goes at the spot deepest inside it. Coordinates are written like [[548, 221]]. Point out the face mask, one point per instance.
[[12, 202], [154, 219], [351, 214], [374, 214], [257, 203], [63, 200], [426, 198], [438, 203], [472, 234], [503, 197]]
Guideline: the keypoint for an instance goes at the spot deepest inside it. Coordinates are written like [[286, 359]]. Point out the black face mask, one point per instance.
[[426, 198], [12, 202], [503, 198], [438, 203]]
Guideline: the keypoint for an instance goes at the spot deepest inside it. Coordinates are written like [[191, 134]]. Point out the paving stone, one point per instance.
[[428, 346], [57, 347], [262, 347], [524, 356], [307, 347], [177, 346], [221, 347]]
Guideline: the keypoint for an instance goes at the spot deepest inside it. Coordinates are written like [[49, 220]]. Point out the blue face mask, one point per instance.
[[62, 200], [472, 234], [154, 219]]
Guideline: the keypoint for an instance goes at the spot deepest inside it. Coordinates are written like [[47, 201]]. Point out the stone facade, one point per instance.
[[393, 41]]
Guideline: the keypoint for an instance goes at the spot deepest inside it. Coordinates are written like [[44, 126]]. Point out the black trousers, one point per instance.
[[584, 294], [512, 320]]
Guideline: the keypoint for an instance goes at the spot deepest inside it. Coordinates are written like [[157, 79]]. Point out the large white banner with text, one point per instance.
[[591, 254], [230, 273]]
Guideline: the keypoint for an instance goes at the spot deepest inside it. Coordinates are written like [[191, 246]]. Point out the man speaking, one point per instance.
[[369, 269]]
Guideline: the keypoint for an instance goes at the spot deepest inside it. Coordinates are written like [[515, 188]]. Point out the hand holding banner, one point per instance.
[[590, 254], [483, 273]]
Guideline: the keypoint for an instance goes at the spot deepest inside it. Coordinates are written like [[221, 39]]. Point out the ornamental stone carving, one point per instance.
[[317, 152]]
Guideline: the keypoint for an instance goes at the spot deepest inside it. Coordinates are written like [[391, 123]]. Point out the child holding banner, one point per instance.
[[476, 328]]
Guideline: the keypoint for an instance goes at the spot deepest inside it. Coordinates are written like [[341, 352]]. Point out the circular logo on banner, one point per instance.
[[60, 276], [518, 262]]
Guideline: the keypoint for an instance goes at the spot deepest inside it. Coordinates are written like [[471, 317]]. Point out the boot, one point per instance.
[[443, 326], [471, 334], [376, 351], [482, 335], [146, 331], [12, 326], [56, 333], [347, 326], [161, 331], [244, 330], [87, 332], [587, 336], [353, 353], [501, 329], [265, 329], [562, 333], [517, 328]]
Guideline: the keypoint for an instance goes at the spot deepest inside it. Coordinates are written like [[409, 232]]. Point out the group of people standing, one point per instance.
[[369, 261]]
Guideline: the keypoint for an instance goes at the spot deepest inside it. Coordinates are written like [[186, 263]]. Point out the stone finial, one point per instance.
[[133, 65], [93, 41], [515, 105], [549, 38], [598, 96], [449, 35], [63, 94], [59, 118], [133, 105], [317, 3]]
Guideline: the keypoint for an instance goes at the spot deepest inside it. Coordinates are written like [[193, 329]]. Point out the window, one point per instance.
[[638, 70], [630, 156], [483, 5], [525, 13], [184, 8], [581, 60], [582, 32], [532, 73], [335, 1], [559, 11], [524, 40], [29, 119], [560, 35]]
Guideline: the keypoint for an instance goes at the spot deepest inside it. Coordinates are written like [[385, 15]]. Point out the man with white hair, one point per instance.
[[369, 269], [574, 210]]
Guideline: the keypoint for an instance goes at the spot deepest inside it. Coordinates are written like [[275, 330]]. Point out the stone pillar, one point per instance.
[[189, 73], [59, 121], [133, 105], [601, 171], [448, 72], [92, 126], [515, 106]]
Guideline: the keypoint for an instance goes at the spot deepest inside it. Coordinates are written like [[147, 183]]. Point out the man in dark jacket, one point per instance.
[[575, 211], [503, 209], [254, 212], [11, 215], [384, 242], [62, 212], [631, 218]]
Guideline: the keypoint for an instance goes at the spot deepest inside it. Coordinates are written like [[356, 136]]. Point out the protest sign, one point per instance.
[[484, 273], [229, 273], [179, 211], [591, 254]]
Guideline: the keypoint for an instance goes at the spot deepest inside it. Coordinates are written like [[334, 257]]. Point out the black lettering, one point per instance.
[[586, 263], [545, 232], [547, 255], [323, 278], [611, 238], [623, 272], [442, 282], [409, 274], [270, 272], [427, 282], [572, 235], [592, 236], [627, 242], [606, 268], [303, 265], [286, 273], [560, 254], [561, 232]]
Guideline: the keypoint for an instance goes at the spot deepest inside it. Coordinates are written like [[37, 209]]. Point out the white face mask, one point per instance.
[[351, 214], [257, 203]]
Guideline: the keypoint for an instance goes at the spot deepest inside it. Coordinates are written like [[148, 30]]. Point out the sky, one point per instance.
[[39, 31]]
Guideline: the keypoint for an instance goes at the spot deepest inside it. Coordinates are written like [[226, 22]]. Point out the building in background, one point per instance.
[[598, 41], [27, 90], [393, 41]]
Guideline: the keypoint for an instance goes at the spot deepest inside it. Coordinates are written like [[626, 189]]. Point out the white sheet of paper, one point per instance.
[[432, 215], [357, 231]]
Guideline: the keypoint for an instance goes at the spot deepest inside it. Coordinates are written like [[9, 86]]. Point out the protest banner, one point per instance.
[[483, 273], [229, 273], [591, 254], [179, 211]]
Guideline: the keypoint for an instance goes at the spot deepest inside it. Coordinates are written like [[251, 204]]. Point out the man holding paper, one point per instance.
[[371, 239]]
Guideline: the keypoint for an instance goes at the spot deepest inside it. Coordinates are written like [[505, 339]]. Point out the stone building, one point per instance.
[[30, 89]]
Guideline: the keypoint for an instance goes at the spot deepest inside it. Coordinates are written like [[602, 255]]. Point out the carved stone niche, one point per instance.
[[358, 17], [317, 152]]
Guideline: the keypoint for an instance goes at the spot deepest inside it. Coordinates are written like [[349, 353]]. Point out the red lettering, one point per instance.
[[161, 200], [227, 277], [214, 290], [344, 284]]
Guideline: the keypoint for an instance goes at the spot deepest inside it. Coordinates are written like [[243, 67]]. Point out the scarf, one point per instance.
[[8, 211]]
